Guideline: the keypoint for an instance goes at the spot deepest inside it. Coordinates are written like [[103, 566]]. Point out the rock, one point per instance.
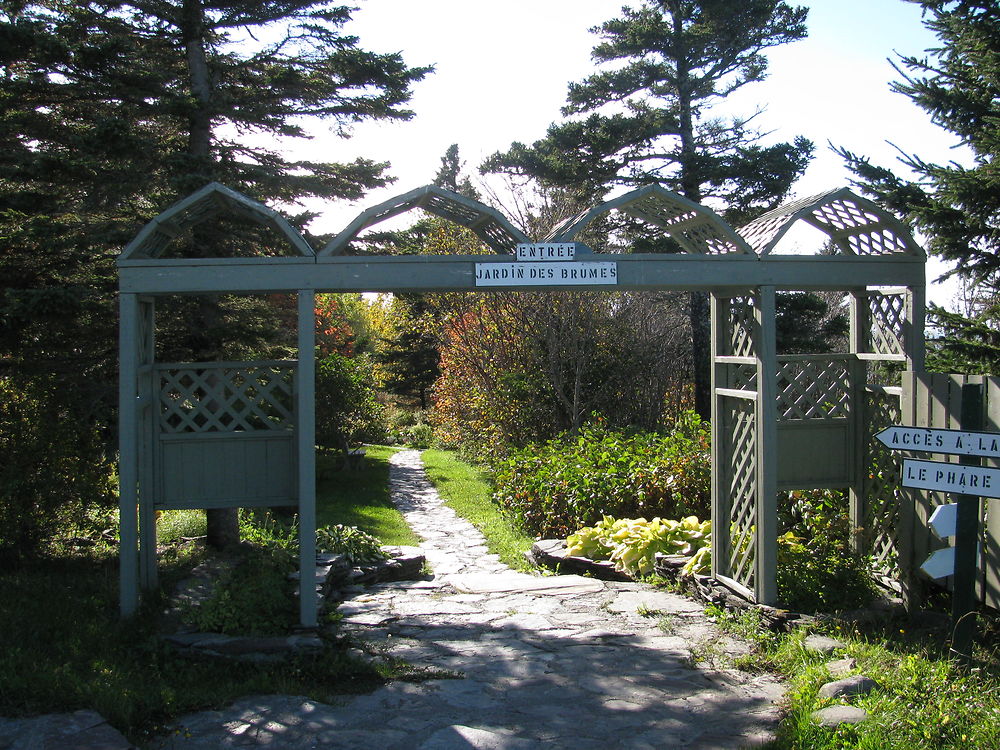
[[822, 644], [80, 730], [551, 554], [841, 667], [834, 716], [458, 737], [858, 684]]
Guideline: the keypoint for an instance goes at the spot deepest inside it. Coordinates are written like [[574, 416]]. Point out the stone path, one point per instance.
[[541, 662]]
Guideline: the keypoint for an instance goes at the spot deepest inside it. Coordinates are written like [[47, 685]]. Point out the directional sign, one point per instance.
[[940, 564], [941, 477], [944, 520], [950, 442]]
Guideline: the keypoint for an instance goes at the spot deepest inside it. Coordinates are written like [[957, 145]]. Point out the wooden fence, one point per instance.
[[933, 400]]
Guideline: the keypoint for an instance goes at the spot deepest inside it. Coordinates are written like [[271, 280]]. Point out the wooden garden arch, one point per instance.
[[225, 434]]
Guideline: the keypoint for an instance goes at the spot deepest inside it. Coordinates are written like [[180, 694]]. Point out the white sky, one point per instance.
[[502, 71]]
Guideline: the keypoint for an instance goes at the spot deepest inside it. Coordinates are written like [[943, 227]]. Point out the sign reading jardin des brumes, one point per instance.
[[547, 264]]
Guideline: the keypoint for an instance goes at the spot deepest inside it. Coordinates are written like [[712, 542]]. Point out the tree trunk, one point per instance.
[[223, 527]]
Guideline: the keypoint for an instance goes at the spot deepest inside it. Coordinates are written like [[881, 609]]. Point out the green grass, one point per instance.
[[926, 701], [64, 648], [466, 490], [361, 498]]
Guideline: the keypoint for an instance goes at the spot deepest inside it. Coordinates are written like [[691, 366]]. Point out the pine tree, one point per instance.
[[955, 207], [646, 117], [109, 112]]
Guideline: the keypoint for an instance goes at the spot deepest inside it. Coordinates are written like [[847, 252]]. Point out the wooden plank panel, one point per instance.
[[815, 453]]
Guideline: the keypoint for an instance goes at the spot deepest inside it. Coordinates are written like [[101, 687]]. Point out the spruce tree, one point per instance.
[[956, 207], [109, 112], [646, 117]]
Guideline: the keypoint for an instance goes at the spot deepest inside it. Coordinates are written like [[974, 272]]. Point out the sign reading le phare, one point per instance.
[[547, 264]]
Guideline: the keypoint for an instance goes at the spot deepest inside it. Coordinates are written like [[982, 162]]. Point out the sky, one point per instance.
[[502, 70]]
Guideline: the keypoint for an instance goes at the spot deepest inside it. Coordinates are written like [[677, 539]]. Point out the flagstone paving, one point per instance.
[[537, 662]]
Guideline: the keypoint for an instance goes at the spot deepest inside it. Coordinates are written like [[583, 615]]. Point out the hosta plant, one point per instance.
[[632, 543]]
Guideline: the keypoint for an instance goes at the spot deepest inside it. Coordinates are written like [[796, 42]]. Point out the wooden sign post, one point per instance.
[[970, 481]]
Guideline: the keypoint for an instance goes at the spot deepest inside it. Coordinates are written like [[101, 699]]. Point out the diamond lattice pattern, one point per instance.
[[813, 389], [888, 313], [255, 397], [742, 484]]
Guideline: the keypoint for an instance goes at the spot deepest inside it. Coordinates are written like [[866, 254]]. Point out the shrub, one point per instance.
[[346, 408], [817, 570], [573, 481], [54, 467]]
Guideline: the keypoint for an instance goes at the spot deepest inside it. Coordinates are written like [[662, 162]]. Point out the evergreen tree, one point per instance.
[[956, 207], [645, 117], [110, 111]]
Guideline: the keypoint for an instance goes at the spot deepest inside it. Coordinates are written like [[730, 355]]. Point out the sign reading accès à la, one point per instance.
[[949, 442]]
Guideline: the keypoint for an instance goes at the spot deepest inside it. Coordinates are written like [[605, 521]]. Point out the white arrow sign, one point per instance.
[[944, 520], [940, 564], [941, 477], [950, 442]]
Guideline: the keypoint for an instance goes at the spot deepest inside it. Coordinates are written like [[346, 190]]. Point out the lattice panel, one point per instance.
[[842, 214], [742, 324], [888, 315], [813, 389], [876, 242], [743, 377], [248, 398], [742, 493], [695, 232], [882, 501]]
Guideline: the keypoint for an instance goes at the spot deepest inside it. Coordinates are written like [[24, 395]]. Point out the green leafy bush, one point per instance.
[[817, 570], [255, 597], [55, 467], [574, 480], [359, 546], [632, 543], [347, 410]]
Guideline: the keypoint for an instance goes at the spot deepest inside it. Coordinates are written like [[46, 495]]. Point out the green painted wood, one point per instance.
[[202, 204], [305, 416], [457, 273], [128, 472], [721, 502], [148, 574], [226, 470], [815, 454], [765, 580]]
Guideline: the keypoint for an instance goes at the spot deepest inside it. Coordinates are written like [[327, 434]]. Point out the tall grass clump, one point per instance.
[[574, 480]]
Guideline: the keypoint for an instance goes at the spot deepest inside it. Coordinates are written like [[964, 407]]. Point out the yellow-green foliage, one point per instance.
[[632, 543]]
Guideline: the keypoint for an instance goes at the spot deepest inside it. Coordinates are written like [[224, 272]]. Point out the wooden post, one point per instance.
[[305, 404], [963, 600], [907, 523], [128, 455], [765, 580], [721, 501], [147, 423], [859, 336]]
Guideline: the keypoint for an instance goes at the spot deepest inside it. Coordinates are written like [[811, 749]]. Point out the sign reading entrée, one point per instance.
[[942, 477], [546, 274]]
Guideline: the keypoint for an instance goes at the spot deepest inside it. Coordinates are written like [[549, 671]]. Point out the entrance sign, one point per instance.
[[550, 251], [575, 273], [950, 442], [938, 476]]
